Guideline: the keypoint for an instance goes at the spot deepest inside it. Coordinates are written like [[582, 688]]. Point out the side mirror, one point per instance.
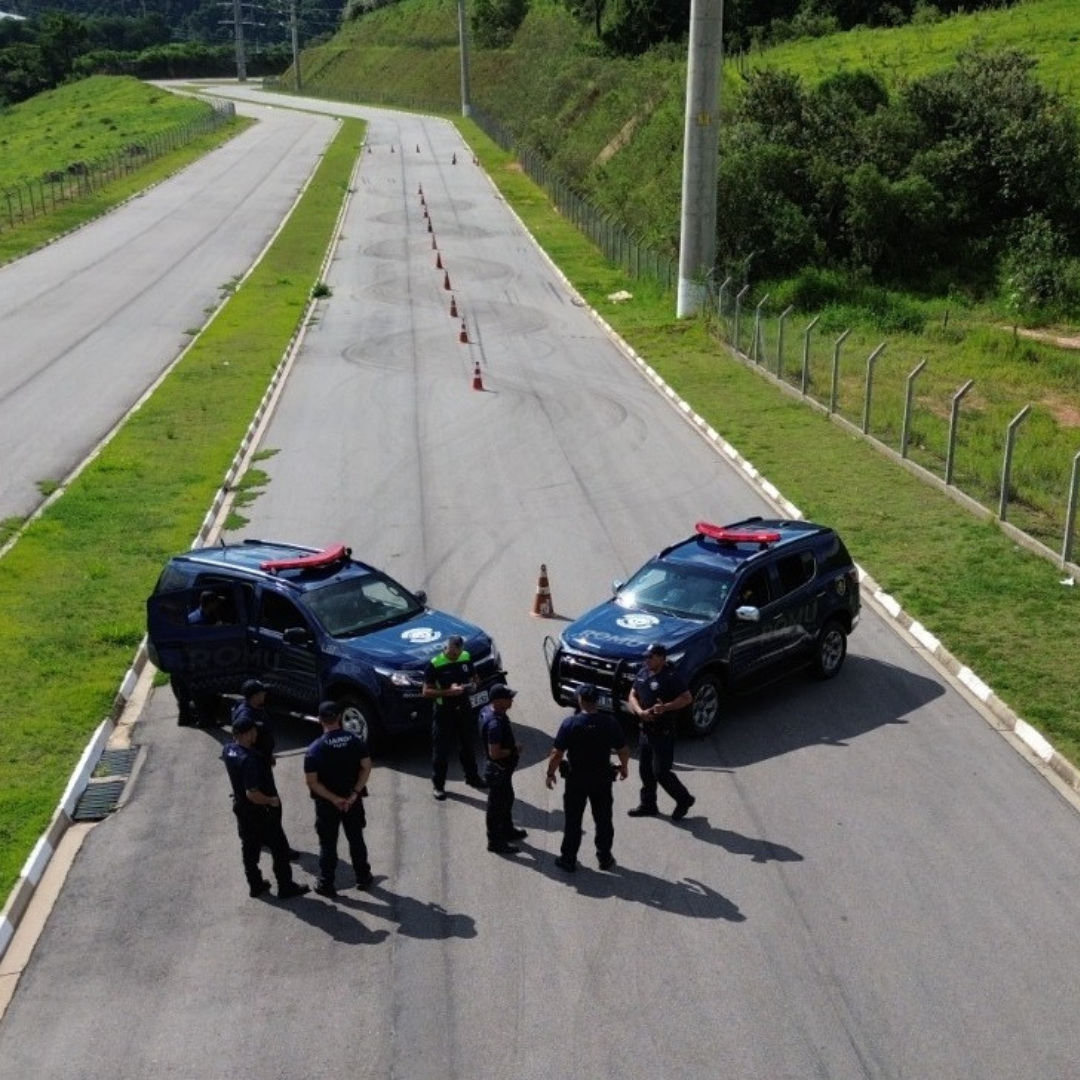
[[421, 597], [616, 585], [747, 613]]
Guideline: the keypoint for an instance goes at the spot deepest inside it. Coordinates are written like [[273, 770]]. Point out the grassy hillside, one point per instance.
[[86, 121], [614, 127]]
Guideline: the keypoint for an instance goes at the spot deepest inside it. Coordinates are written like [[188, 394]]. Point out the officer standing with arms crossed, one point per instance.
[[336, 768], [257, 807], [658, 695], [503, 753], [451, 680], [587, 739]]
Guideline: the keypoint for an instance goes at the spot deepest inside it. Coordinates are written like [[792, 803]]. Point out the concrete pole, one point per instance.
[[238, 28], [298, 82], [701, 152], [463, 41]]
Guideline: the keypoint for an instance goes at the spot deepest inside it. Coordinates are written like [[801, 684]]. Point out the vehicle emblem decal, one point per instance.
[[637, 622], [421, 635]]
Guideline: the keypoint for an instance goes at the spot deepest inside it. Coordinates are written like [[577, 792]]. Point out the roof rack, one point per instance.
[[726, 535], [327, 557]]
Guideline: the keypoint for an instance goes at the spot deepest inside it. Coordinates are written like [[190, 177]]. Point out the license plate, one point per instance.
[[478, 699]]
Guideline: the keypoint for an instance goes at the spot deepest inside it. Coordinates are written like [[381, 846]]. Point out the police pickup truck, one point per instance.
[[734, 605], [312, 624]]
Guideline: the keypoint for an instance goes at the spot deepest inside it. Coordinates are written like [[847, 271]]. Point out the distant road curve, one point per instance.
[[88, 323]]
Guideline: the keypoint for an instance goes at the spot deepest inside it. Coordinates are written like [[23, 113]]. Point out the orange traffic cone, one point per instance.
[[542, 606], [453, 308], [446, 281], [463, 334], [438, 261], [477, 381]]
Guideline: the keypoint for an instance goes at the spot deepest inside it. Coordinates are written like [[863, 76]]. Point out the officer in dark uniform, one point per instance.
[[336, 767], [587, 739], [197, 710], [658, 695], [257, 807], [253, 706], [451, 680], [503, 753]]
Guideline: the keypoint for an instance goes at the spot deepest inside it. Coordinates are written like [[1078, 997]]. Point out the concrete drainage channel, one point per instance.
[[104, 788]]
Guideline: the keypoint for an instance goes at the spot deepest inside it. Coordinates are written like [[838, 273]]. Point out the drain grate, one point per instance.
[[107, 784]]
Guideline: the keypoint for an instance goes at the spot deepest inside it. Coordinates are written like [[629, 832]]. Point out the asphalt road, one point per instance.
[[88, 324], [871, 884]]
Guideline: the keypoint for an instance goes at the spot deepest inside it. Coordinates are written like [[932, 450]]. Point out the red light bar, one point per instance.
[[736, 536], [326, 557]]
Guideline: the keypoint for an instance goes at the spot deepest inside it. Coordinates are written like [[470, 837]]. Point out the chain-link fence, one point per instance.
[[29, 199]]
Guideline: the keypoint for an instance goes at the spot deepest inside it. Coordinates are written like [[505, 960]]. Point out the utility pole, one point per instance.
[[238, 31], [701, 153], [298, 84], [463, 39]]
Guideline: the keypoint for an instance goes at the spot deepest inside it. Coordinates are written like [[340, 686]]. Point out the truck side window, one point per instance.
[[280, 614]]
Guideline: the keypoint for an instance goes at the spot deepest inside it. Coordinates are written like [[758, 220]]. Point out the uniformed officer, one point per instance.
[[451, 680], [336, 767], [253, 705], [587, 739], [658, 695], [257, 807], [503, 754]]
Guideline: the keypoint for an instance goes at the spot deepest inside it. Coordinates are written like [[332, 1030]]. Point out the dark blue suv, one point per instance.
[[735, 605], [311, 625]]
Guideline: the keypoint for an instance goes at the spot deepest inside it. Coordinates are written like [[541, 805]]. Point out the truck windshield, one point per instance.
[[682, 591], [361, 604]]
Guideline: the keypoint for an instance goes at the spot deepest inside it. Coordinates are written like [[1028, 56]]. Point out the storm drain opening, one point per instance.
[[107, 784]]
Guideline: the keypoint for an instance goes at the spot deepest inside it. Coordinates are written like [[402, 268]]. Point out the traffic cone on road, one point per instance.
[[446, 281], [421, 191], [418, 148], [463, 334], [429, 228], [542, 606], [477, 381], [453, 160], [438, 261], [453, 308], [433, 244]]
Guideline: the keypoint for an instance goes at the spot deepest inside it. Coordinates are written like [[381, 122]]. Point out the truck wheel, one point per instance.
[[705, 708], [358, 717], [830, 651]]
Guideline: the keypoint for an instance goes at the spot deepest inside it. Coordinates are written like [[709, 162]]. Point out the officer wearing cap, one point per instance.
[[253, 706], [336, 768], [451, 680], [503, 753], [657, 697], [257, 807], [587, 740]]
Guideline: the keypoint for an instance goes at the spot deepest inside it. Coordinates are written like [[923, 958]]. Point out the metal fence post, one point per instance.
[[909, 397], [834, 391], [806, 353], [954, 420], [780, 340], [1070, 513], [1006, 466], [720, 296], [870, 386], [756, 351], [738, 308]]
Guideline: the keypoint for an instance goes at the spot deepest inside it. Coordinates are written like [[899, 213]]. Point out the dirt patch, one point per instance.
[[1062, 339]]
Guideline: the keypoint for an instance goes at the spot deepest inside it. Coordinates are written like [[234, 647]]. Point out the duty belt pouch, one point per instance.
[[564, 768]]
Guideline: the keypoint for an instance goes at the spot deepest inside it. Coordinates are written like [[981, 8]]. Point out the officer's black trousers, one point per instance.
[[500, 803], [329, 822], [597, 792], [656, 754], [260, 826], [450, 728]]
